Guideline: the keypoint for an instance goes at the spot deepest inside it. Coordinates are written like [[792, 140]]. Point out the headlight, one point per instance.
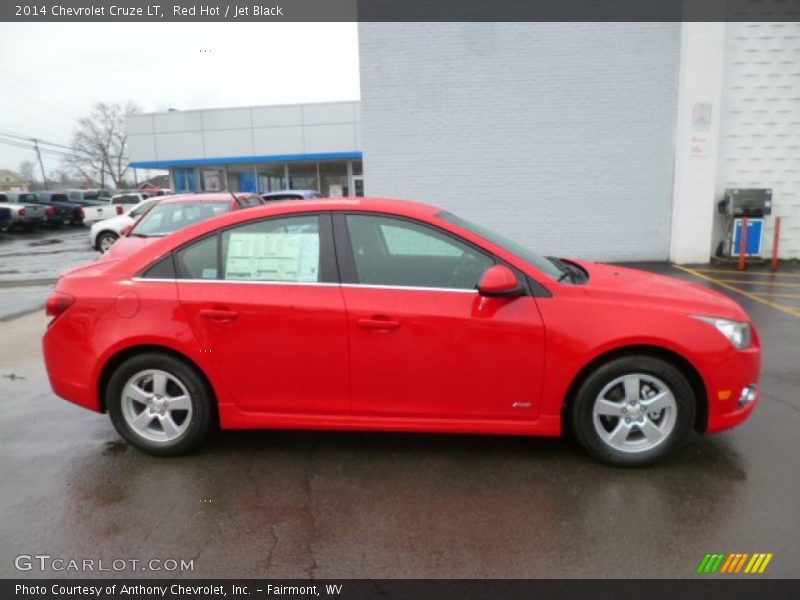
[[738, 333]]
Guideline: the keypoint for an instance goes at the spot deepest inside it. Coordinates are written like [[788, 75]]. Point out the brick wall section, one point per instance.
[[560, 135], [760, 122]]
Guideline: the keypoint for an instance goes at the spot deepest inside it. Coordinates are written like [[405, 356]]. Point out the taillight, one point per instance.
[[82, 213], [22, 212], [119, 209], [58, 303], [50, 212]]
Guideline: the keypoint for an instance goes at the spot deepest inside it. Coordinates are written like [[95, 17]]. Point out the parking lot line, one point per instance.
[[777, 295], [765, 273], [752, 296], [762, 282]]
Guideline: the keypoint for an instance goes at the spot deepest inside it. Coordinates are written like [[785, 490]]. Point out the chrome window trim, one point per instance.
[[314, 283]]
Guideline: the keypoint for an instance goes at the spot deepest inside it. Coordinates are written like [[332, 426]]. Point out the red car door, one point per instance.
[[268, 309], [423, 342]]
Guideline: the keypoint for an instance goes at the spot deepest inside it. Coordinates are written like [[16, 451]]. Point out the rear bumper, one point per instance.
[[70, 362]]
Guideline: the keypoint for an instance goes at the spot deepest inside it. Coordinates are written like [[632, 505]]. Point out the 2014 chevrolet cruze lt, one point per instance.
[[374, 314]]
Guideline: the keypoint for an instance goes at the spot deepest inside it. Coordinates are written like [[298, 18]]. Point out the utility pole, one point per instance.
[[41, 164]]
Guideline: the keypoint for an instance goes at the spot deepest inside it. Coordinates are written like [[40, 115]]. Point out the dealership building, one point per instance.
[[613, 141]]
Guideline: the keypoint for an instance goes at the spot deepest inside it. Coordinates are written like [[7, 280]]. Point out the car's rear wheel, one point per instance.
[[105, 240], [159, 404], [633, 410]]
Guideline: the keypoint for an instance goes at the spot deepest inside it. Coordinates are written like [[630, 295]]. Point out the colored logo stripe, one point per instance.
[[734, 563]]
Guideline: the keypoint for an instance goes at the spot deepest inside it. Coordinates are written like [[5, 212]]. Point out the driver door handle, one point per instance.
[[379, 323], [219, 314]]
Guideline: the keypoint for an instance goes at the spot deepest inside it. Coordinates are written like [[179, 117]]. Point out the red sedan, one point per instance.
[[176, 212], [369, 314]]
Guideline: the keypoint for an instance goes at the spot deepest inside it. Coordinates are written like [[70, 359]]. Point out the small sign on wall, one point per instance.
[[701, 124]]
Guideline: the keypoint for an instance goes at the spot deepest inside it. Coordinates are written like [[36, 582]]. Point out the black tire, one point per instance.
[[583, 417], [108, 236], [200, 396]]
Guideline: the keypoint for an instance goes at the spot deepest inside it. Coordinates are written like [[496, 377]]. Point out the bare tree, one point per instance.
[[100, 144], [26, 170]]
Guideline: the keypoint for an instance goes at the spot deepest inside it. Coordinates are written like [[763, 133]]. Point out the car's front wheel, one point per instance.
[[633, 410], [159, 404], [105, 240]]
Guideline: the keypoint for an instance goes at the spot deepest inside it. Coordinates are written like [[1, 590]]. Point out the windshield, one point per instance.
[[532, 258], [28, 198], [168, 217]]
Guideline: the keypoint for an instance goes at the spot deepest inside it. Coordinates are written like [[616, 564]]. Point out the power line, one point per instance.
[[32, 138]]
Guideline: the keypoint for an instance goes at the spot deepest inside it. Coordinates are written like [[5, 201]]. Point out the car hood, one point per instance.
[[114, 223], [642, 287], [127, 245]]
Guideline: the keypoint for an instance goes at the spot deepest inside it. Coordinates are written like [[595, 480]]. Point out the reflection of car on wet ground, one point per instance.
[[176, 212], [23, 216], [367, 314], [291, 195], [104, 233]]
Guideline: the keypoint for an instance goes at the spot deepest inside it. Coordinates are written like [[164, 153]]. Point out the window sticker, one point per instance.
[[273, 256]]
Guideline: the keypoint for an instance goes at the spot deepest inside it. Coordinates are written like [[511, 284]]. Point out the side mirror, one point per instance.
[[499, 281], [126, 230]]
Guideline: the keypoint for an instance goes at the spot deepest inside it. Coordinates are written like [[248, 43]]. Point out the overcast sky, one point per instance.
[[52, 73]]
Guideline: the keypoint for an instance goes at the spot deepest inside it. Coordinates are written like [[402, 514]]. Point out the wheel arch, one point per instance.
[[99, 234], [117, 359], [678, 361]]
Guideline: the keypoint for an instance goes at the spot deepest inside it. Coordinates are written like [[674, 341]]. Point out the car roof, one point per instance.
[[287, 192], [207, 197]]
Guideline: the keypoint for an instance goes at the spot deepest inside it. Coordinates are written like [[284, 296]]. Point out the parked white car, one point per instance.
[[103, 234]]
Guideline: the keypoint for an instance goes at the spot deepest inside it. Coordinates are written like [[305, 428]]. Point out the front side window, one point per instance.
[[397, 252], [168, 217]]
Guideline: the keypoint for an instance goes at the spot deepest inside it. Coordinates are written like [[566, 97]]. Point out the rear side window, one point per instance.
[[199, 259], [251, 201], [287, 249], [163, 269]]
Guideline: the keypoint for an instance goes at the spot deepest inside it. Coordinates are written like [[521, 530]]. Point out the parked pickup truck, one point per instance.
[[56, 213], [94, 208], [24, 216], [48, 197], [5, 218]]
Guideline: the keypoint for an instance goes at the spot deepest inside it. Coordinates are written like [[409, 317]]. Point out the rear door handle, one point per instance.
[[378, 323], [218, 314]]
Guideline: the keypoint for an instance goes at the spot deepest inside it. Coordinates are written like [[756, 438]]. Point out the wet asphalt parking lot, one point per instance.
[[331, 505]]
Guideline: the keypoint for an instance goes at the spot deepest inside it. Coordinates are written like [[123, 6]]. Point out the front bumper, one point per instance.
[[732, 388]]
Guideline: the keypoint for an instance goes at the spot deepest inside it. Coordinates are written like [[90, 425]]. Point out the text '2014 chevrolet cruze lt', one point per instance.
[[372, 314]]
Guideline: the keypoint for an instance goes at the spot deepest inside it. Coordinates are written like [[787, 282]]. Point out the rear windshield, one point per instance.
[[91, 195], [28, 198], [168, 217]]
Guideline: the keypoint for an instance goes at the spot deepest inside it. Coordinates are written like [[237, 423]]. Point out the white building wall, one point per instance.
[[247, 132], [560, 135], [760, 123], [697, 141]]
